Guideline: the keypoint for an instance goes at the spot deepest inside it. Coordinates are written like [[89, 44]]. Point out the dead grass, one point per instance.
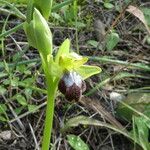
[[26, 127]]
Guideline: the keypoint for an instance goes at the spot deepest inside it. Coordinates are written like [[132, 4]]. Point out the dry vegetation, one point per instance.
[[125, 70]]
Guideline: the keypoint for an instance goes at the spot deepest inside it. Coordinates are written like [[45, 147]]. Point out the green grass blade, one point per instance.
[[119, 62], [58, 6], [14, 9], [9, 32]]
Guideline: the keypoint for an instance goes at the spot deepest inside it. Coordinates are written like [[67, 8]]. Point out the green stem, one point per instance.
[[51, 92]]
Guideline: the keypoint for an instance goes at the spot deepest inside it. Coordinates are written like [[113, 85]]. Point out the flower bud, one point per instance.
[[38, 34], [42, 34]]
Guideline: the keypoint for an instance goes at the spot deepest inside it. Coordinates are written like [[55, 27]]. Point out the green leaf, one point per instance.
[[148, 40], [57, 17], [79, 24], [84, 120], [75, 121], [30, 7], [127, 75], [44, 6], [64, 49], [139, 101], [13, 10], [42, 34], [147, 110], [108, 5], [29, 30], [3, 108], [6, 82], [28, 81], [77, 143], [20, 99], [93, 43], [142, 132], [2, 90], [61, 5], [112, 40], [21, 68], [32, 108], [18, 110], [2, 119], [17, 1], [14, 82], [3, 74], [146, 12], [85, 71], [128, 1], [28, 92]]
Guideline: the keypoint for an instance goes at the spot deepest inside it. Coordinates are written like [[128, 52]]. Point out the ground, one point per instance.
[[125, 69]]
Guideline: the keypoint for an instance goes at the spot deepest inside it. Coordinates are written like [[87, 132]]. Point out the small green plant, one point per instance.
[[39, 36], [135, 108], [112, 40], [67, 71], [108, 4], [140, 131], [77, 143]]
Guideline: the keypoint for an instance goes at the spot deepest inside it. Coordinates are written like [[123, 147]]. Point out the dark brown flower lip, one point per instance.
[[72, 86], [73, 93]]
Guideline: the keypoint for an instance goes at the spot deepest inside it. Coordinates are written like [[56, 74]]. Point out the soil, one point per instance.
[[131, 48]]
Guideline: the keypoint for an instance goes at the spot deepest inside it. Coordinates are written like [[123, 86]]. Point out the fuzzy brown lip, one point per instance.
[[72, 86]]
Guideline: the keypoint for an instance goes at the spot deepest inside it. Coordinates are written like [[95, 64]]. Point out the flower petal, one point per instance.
[[64, 49], [85, 71]]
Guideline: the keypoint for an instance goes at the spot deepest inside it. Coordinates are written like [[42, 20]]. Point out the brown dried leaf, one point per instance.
[[97, 107], [139, 14]]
